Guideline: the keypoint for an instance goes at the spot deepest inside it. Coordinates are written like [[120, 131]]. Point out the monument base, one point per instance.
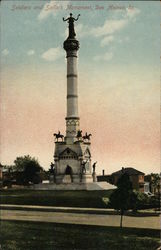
[[75, 186], [73, 179]]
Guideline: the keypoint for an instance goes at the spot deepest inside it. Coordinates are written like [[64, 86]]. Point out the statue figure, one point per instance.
[[94, 166], [52, 173], [57, 136], [52, 168], [82, 169], [87, 136], [79, 134], [83, 166], [71, 20]]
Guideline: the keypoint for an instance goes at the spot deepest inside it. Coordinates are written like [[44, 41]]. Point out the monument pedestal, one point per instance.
[[51, 179], [69, 158], [94, 177], [87, 178], [75, 186]]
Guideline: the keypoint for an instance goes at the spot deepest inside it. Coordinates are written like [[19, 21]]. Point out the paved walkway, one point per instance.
[[80, 218], [58, 209], [74, 209]]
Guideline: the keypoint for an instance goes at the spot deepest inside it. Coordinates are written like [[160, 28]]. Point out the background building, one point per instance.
[[136, 177]]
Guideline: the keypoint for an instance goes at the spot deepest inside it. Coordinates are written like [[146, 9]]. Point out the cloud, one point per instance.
[[47, 10], [127, 39], [106, 40], [132, 12], [105, 57], [30, 52], [82, 30], [5, 52], [52, 54], [51, 8], [113, 25], [109, 27]]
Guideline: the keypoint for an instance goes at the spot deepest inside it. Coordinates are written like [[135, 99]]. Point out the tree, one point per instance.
[[27, 168], [120, 198], [155, 183], [138, 200], [8, 176]]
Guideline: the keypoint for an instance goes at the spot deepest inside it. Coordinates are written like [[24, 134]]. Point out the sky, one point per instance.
[[119, 80]]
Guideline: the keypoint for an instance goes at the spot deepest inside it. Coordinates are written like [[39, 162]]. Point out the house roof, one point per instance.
[[129, 171]]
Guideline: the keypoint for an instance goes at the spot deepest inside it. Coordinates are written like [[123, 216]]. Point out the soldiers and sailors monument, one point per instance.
[[72, 168]]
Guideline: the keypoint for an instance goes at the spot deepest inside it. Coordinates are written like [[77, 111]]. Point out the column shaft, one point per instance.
[[72, 119], [72, 87]]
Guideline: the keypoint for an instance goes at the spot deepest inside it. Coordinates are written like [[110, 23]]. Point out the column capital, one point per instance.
[[71, 44]]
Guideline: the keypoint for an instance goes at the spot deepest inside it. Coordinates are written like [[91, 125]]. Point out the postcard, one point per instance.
[[79, 107]]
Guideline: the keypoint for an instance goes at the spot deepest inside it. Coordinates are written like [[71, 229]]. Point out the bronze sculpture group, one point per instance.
[[57, 136], [79, 136], [85, 137]]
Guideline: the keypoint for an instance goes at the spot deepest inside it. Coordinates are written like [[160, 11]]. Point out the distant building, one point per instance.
[[154, 183], [146, 187], [104, 177], [136, 177]]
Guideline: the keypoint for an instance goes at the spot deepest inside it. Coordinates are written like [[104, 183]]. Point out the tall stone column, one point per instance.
[[72, 155], [72, 119]]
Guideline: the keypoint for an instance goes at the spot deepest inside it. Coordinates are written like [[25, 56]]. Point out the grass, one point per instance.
[[50, 236], [89, 199]]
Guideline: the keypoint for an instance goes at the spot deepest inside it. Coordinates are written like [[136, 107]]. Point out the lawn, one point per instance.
[[90, 199], [51, 236]]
